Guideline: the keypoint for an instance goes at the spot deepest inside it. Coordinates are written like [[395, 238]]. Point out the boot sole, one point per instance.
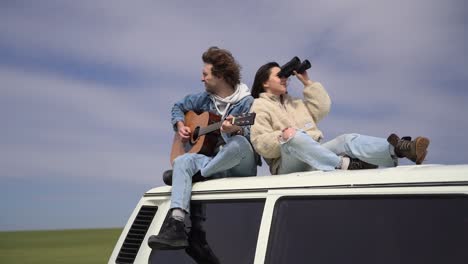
[[421, 149], [163, 244]]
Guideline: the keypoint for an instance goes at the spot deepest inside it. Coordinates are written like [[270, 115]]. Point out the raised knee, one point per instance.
[[240, 139], [187, 163], [238, 142], [300, 139], [182, 160], [346, 138]]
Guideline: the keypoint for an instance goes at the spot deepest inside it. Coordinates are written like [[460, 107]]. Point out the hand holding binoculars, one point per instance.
[[294, 65]]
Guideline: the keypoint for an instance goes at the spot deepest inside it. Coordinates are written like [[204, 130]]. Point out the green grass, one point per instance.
[[61, 246]]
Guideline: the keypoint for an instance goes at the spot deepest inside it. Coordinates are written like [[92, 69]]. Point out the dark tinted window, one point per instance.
[[386, 229], [231, 230]]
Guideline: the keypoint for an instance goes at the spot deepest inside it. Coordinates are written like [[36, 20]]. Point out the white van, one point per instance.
[[407, 214]]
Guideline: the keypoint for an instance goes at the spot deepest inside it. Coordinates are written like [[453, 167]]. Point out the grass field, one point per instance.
[[61, 246]]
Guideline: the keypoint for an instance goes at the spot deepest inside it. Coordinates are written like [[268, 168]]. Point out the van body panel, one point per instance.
[[399, 181], [402, 175]]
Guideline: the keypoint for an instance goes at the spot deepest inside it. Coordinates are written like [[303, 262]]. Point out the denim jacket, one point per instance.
[[201, 102]]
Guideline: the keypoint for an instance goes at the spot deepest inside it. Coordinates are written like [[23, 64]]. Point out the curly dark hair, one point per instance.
[[262, 75], [224, 65]]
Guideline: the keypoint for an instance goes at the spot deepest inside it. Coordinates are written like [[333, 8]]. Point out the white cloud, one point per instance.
[[74, 129], [169, 37], [388, 66], [104, 105], [397, 43]]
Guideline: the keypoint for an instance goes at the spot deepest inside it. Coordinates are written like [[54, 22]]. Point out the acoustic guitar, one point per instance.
[[205, 133]]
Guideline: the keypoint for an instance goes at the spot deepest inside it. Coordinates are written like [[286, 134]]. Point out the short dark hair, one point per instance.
[[262, 75], [224, 65]]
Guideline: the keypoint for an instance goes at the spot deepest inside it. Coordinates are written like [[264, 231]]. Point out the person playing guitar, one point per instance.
[[224, 98]]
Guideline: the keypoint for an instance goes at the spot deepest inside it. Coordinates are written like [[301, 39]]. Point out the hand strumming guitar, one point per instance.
[[228, 127], [183, 131]]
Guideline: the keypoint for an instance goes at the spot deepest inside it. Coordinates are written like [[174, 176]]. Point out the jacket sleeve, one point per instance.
[[246, 106], [242, 107], [263, 137], [188, 103], [317, 101]]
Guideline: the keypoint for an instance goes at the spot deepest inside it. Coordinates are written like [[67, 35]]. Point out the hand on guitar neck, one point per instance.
[[228, 127]]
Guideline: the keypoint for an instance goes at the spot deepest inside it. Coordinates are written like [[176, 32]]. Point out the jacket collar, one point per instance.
[[275, 98]]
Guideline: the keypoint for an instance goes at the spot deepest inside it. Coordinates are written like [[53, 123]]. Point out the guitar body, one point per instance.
[[204, 144]]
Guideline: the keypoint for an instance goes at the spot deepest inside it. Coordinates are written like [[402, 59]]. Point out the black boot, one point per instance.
[[171, 236], [167, 177], [414, 150], [357, 164]]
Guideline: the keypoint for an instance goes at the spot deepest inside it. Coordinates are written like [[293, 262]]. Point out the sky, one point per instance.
[[86, 87]]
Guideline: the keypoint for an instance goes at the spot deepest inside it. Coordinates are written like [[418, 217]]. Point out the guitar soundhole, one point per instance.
[[195, 133]]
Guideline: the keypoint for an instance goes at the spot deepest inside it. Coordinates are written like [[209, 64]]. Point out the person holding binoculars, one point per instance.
[[285, 132]]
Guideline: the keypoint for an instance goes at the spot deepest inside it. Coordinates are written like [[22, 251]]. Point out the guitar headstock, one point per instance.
[[244, 119]]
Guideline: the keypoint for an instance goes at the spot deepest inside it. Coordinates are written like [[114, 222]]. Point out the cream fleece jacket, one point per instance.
[[273, 116]]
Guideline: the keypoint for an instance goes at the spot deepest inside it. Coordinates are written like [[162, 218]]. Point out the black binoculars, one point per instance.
[[294, 65]]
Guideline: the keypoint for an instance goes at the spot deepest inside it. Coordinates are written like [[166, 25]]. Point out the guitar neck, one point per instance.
[[243, 120], [210, 128]]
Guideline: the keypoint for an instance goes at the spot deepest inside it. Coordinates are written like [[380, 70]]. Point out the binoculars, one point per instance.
[[294, 65]]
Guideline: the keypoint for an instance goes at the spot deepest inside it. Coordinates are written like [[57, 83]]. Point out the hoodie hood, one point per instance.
[[223, 104]]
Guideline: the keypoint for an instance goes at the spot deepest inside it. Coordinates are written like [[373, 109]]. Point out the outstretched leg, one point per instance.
[[372, 150]]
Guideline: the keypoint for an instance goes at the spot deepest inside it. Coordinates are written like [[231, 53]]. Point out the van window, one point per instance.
[[230, 228], [369, 229]]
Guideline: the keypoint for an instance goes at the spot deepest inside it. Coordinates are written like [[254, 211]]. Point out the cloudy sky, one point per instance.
[[86, 87]]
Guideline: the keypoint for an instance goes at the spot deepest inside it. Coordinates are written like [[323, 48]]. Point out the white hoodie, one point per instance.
[[223, 104]]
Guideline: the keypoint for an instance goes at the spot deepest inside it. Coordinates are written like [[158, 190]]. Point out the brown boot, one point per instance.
[[414, 150]]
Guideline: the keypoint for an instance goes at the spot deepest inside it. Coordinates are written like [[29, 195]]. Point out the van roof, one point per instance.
[[398, 176]]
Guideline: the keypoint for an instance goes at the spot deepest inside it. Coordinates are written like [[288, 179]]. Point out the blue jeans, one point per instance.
[[236, 158], [303, 153]]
